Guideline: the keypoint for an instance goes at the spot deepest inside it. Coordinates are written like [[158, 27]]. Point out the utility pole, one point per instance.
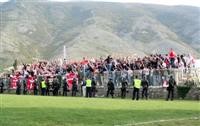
[[64, 52]]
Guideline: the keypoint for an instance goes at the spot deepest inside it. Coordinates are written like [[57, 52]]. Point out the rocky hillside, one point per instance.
[[41, 29]]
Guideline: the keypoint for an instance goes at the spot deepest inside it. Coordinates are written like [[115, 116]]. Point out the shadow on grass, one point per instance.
[[85, 117]]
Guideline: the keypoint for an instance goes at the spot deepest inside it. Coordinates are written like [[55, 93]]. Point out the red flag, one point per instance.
[[14, 80], [30, 82], [172, 54], [70, 77]]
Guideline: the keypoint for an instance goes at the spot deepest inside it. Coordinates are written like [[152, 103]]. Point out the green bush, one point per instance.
[[182, 91]]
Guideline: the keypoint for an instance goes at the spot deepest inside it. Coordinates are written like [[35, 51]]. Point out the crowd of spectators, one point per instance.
[[102, 69]]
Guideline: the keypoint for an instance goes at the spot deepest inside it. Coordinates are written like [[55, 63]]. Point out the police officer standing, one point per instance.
[[18, 90], [65, 87], [145, 86], [93, 90], [88, 87], [55, 86], [35, 87], [43, 86], [136, 86], [170, 88], [48, 86], [111, 88], [123, 88], [74, 87]]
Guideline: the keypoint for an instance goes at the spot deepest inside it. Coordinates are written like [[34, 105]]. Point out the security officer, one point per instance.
[[48, 86], [93, 90], [170, 88], [43, 86], [74, 87], [136, 90], [111, 88], [145, 86], [55, 86], [123, 88], [35, 87], [18, 90], [88, 87], [65, 87], [1, 85]]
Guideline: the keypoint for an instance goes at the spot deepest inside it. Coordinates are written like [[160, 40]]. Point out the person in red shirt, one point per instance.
[[172, 56]]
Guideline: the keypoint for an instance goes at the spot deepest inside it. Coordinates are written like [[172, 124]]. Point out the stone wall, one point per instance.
[[154, 92], [193, 94]]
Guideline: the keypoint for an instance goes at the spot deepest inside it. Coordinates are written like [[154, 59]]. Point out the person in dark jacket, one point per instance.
[[48, 86], [65, 87], [145, 86], [74, 87], [35, 87], [124, 88], [170, 88], [18, 90], [1, 85], [24, 81], [111, 88], [55, 86], [93, 87], [83, 87]]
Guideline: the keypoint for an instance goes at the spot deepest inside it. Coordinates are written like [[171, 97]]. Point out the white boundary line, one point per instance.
[[157, 121]]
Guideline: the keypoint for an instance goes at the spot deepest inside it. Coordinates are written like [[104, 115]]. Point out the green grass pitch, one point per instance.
[[76, 111]]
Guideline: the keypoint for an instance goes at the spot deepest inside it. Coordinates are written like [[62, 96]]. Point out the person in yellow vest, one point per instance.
[[88, 87], [136, 88], [43, 87]]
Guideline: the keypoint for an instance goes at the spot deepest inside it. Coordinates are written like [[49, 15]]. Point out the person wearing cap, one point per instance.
[[170, 88], [88, 87], [111, 88], [136, 88], [123, 88]]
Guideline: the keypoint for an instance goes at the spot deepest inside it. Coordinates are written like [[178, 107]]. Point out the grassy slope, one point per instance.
[[35, 29], [59, 111]]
